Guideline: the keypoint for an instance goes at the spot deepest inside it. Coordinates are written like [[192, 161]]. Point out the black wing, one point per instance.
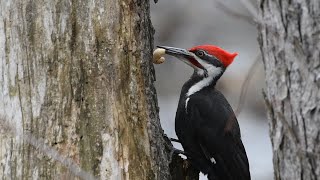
[[218, 134]]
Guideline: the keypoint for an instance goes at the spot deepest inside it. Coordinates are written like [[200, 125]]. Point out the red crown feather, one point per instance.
[[225, 57]]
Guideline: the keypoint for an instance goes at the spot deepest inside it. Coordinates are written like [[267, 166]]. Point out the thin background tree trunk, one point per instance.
[[78, 74], [290, 44]]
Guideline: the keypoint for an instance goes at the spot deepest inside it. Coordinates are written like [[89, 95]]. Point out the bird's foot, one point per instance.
[[178, 151], [174, 140], [171, 139]]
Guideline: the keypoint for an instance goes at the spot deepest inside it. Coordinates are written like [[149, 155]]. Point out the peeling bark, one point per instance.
[[78, 74], [290, 44]]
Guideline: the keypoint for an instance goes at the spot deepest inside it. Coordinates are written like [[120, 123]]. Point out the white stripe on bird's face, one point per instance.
[[209, 73]]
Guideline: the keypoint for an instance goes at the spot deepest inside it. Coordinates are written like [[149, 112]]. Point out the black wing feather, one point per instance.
[[209, 120]]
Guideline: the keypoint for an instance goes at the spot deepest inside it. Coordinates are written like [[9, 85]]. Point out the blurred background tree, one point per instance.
[[289, 36]]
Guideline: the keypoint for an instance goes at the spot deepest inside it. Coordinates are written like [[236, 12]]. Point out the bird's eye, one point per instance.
[[200, 53]]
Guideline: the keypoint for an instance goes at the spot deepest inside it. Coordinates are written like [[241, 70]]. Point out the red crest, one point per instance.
[[225, 57]]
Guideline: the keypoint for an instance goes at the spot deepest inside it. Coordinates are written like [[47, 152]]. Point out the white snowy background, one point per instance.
[[186, 23]]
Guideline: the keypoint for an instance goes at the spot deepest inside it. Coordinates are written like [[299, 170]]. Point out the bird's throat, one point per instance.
[[197, 86], [197, 83]]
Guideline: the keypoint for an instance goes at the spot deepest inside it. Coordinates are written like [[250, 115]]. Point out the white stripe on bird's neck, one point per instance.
[[212, 72]]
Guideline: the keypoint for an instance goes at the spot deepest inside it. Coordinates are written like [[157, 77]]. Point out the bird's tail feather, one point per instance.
[[229, 170], [212, 176]]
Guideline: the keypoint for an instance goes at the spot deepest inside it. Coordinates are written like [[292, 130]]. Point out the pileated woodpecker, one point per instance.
[[205, 123]]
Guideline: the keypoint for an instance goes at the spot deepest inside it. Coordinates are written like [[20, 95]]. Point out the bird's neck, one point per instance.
[[197, 83]]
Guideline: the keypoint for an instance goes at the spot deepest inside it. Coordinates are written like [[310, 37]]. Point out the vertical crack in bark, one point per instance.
[[312, 162], [304, 132], [301, 172], [288, 129], [299, 19], [6, 43], [74, 31], [282, 17]]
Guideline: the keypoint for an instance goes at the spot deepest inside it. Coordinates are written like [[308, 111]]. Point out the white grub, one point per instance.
[[158, 55]]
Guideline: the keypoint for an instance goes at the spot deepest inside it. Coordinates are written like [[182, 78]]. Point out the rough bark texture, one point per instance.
[[78, 74], [182, 169], [290, 44]]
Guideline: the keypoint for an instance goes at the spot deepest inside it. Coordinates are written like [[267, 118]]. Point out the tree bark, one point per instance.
[[76, 89], [290, 45]]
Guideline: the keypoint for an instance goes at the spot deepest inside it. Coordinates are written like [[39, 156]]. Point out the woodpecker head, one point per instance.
[[207, 60]]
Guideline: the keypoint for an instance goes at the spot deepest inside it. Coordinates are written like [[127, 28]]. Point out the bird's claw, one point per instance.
[[171, 139], [178, 151], [174, 140]]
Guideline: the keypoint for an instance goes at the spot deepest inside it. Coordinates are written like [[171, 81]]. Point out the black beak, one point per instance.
[[177, 52], [183, 55]]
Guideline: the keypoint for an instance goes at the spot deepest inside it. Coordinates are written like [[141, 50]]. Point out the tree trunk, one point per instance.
[[290, 44], [76, 90]]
